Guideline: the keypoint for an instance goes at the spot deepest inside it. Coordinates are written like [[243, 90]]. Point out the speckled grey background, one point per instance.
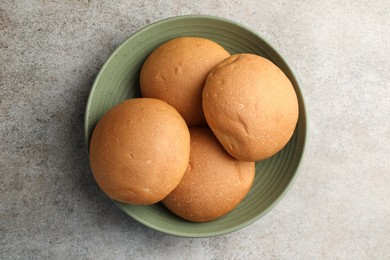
[[50, 207]]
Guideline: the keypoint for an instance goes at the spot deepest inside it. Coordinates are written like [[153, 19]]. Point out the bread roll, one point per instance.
[[214, 183], [251, 106], [176, 71], [139, 151]]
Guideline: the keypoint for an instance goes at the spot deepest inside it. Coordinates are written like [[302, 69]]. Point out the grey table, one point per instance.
[[50, 206]]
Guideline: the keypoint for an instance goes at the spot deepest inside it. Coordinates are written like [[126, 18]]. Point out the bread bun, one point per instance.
[[214, 183], [176, 71], [251, 106], [139, 151]]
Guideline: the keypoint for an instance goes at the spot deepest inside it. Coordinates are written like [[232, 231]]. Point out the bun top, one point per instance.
[[251, 106], [214, 183], [176, 71], [139, 151]]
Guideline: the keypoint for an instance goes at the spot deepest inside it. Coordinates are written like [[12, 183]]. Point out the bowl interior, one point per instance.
[[119, 80]]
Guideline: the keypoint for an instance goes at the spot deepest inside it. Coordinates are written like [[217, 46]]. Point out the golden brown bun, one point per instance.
[[251, 106], [176, 71], [214, 183], [139, 151]]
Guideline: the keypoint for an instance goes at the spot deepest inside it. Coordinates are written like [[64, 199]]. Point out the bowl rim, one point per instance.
[[303, 111]]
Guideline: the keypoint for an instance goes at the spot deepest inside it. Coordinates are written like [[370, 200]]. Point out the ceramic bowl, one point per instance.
[[118, 80]]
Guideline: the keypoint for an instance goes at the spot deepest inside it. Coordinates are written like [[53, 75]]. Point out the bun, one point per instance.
[[139, 151], [176, 71], [214, 183], [251, 106]]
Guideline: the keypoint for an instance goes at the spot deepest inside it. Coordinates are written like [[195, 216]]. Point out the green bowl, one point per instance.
[[119, 80]]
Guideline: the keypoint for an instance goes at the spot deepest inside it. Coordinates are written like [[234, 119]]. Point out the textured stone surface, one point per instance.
[[50, 207]]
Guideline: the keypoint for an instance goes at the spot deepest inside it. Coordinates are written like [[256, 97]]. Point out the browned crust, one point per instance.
[[214, 183], [176, 71], [139, 151], [251, 106]]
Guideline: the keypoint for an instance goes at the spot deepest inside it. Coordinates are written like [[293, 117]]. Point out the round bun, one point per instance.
[[139, 151], [176, 71], [251, 106], [214, 183]]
